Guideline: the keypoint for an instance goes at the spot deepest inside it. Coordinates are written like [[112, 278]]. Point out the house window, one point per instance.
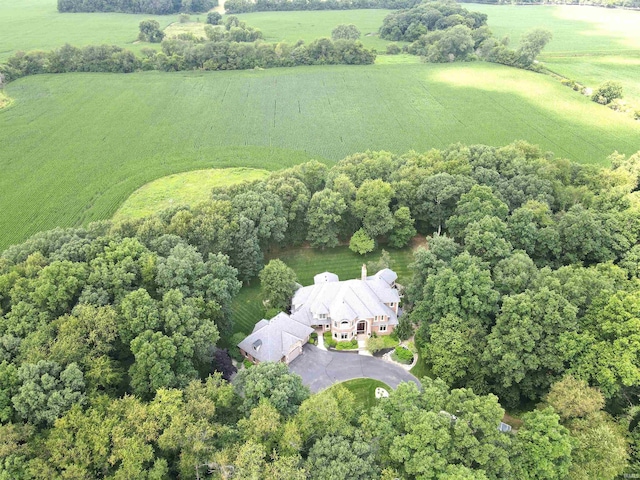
[[335, 323], [322, 316], [382, 328], [335, 335], [391, 304], [344, 324], [344, 336]]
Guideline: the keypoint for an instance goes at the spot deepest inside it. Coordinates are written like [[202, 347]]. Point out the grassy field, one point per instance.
[[75, 146], [307, 262], [37, 25], [364, 390], [307, 26], [186, 188], [589, 44]]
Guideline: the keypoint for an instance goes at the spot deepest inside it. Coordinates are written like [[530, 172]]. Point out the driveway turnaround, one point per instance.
[[320, 369]]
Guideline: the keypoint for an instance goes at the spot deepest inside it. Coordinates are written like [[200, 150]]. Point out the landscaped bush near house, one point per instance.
[[313, 338], [402, 355], [348, 345], [247, 363], [329, 341]]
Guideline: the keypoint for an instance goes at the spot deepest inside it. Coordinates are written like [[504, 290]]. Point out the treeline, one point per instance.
[[246, 6], [187, 54], [443, 32], [152, 7]]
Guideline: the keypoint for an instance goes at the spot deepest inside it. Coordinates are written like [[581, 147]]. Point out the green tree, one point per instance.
[[531, 44], [372, 207], [485, 239], [361, 242], [523, 349], [403, 230], [515, 273], [542, 447], [150, 31], [214, 18], [267, 213], [155, 357], [336, 458], [325, 210], [278, 284], [346, 32], [590, 459], [573, 398], [331, 412], [273, 382], [478, 203], [438, 196], [47, 391]]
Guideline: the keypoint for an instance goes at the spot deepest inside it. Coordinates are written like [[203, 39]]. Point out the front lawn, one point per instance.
[[364, 390], [421, 369]]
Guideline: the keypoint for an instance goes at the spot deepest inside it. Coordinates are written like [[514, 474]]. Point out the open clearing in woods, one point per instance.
[[75, 146], [186, 188]]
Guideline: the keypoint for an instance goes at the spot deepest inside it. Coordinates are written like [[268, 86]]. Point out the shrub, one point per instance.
[[607, 92], [361, 242], [184, 18], [234, 351], [402, 355], [214, 18], [313, 338], [329, 341], [393, 49], [347, 345], [345, 32], [636, 114], [247, 363]]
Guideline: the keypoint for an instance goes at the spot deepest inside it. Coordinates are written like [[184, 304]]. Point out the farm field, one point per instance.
[[307, 26], [75, 146], [589, 44], [36, 25], [308, 262], [186, 188]]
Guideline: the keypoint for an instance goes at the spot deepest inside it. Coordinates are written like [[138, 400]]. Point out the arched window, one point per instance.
[[345, 324]]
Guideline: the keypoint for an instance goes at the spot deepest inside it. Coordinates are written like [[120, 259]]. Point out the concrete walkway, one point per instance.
[[320, 369]]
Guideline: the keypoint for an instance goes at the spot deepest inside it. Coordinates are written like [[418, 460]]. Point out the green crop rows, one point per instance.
[[75, 146]]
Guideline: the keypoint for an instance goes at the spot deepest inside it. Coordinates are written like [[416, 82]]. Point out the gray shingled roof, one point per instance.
[[349, 299], [273, 339]]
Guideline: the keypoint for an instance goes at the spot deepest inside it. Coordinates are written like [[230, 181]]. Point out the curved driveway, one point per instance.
[[320, 369]]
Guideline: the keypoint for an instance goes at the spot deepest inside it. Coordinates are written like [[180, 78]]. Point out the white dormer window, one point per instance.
[[392, 304], [322, 316]]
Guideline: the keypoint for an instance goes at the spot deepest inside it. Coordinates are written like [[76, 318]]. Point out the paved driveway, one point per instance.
[[320, 369]]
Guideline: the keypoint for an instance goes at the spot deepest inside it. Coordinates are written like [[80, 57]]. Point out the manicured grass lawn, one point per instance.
[[307, 262], [364, 390], [421, 369], [589, 45], [37, 25], [307, 26], [186, 188], [75, 146]]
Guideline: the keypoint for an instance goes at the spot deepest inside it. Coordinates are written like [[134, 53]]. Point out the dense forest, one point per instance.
[[152, 7], [246, 6], [525, 298]]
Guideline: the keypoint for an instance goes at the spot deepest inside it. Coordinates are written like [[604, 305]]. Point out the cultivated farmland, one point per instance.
[[74, 147], [589, 45], [307, 26], [36, 25]]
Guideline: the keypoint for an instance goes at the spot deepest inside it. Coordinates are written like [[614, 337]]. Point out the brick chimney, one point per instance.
[[364, 272]]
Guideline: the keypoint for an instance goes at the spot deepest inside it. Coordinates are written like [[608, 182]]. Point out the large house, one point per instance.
[[348, 309]]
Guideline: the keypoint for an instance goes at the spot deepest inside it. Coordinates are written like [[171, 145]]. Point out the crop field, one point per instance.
[[37, 25], [589, 44], [186, 188], [75, 146], [307, 26], [307, 262]]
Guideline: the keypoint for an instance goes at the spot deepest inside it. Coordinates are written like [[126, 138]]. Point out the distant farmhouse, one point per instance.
[[348, 309]]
